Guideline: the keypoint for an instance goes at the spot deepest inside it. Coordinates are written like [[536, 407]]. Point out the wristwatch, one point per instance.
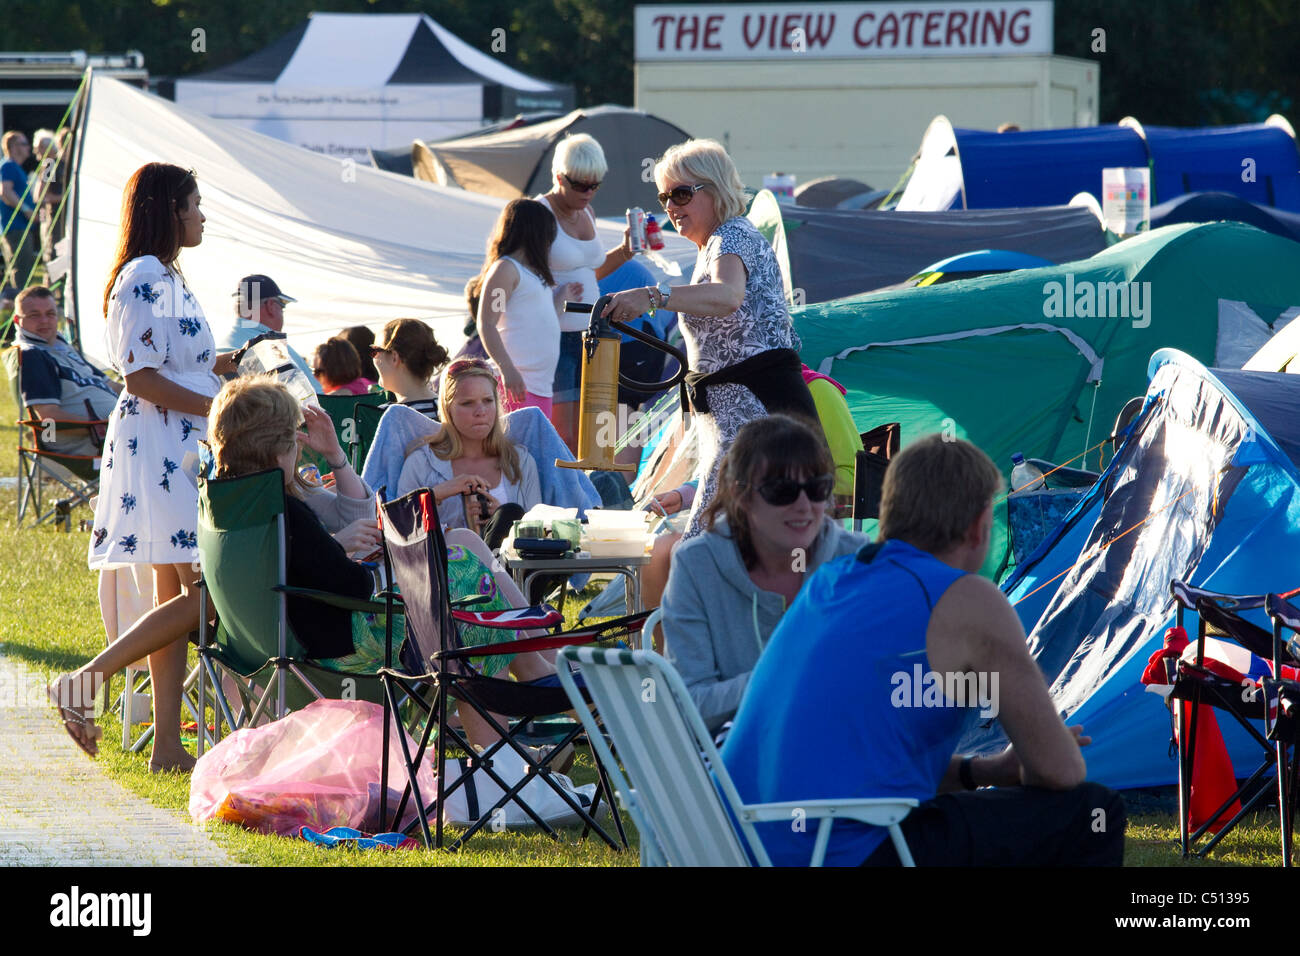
[[665, 290]]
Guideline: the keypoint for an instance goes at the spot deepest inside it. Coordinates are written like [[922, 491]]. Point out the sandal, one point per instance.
[[77, 717]]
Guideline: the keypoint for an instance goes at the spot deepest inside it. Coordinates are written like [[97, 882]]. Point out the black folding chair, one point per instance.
[[1282, 714], [437, 659], [878, 446], [1197, 684]]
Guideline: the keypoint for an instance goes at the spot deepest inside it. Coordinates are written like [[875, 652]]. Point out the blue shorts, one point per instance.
[[568, 372]]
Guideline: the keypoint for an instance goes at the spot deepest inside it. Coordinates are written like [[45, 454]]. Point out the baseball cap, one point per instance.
[[260, 287]]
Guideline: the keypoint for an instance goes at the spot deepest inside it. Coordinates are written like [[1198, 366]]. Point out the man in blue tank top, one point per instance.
[[870, 678]]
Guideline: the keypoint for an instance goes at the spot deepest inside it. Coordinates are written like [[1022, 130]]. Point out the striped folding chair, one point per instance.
[[683, 801]]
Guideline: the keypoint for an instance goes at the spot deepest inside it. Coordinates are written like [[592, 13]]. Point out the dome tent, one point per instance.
[[517, 162]]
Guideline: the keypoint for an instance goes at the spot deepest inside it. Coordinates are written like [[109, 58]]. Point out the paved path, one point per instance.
[[58, 809]]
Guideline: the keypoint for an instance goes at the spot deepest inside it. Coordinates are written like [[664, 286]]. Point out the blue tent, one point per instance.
[[1042, 167], [977, 169], [1224, 207], [1205, 489], [1257, 162]]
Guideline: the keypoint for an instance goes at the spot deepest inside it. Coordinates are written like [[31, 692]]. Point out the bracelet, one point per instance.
[[343, 464], [964, 773], [651, 295]]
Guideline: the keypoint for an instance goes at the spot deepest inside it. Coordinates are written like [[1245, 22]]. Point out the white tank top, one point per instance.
[[575, 260], [531, 331]]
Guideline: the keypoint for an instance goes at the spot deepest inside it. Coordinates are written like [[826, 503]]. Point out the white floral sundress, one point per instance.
[[762, 323], [147, 511]]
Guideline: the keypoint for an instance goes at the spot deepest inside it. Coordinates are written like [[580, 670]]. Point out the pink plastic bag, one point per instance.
[[317, 767]]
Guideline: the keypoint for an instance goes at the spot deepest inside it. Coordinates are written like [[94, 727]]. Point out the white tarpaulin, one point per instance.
[[354, 246]]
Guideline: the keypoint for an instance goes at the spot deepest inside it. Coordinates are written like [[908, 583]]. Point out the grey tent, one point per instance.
[[517, 162], [832, 253], [838, 192]]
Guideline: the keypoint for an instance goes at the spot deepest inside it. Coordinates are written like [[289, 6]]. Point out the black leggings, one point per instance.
[[1014, 826]]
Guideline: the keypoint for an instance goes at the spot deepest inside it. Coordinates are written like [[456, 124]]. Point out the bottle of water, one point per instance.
[[1024, 476]]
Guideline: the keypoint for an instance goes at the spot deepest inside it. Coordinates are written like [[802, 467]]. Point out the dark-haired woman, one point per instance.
[[147, 511], [518, 317], [337, 367], [406, 362], [766, 531], [362, 338]]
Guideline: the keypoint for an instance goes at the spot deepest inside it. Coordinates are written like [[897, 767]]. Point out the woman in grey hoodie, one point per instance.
[[767, 530]]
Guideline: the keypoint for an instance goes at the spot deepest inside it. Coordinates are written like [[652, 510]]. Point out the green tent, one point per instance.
[[1041, 360]]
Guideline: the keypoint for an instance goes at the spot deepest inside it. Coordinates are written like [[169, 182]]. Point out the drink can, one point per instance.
[[636, 228]]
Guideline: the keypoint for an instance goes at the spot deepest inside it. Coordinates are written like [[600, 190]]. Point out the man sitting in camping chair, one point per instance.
[[56, 383], [867, 682]]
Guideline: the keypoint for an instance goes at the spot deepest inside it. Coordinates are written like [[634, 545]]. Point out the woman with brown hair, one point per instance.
[[337, 367], [766, 531], [518, 317], [362, 338], [147, 512], [406, 363]]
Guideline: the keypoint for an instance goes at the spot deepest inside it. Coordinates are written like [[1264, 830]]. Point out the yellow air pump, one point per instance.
[[600, 382]]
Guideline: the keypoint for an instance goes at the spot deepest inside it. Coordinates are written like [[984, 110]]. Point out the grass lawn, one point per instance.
[[56, 626]]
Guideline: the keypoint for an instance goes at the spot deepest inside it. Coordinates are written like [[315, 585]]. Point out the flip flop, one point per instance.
[[75, 718], [345, 836]]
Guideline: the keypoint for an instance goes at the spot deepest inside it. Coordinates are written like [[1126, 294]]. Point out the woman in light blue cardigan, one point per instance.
[[766, 532]]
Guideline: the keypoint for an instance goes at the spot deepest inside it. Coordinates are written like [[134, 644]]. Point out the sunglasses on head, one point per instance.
[[579, 186], [680, 195], [377, 350], [461, 365], [785, 491]]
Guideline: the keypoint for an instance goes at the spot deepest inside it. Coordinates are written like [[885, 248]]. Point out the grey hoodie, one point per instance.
[[716, 621]]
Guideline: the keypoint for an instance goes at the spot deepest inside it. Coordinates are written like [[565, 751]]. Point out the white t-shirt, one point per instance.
[[575, 260], [531, 331]]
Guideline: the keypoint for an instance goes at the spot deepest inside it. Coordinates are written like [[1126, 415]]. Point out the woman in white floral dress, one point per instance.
[[741, 346], [147, 513]]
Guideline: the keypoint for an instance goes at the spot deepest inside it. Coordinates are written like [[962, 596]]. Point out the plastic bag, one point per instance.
[[316, 767], [272, 355], [510, 767]]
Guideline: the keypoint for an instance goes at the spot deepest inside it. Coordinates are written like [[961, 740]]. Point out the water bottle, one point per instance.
[[1024, 476], [653, 234]]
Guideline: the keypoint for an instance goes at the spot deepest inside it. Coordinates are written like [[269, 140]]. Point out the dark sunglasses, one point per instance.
[[785, 491], [580, 187], [377, 350], [680, 195]]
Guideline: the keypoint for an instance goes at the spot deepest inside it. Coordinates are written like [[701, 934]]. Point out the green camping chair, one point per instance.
[[366, 416], [241, 543], [340, 409]]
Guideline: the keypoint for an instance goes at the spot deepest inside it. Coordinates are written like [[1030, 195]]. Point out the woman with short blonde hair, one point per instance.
[[577, 170], [740, 343]]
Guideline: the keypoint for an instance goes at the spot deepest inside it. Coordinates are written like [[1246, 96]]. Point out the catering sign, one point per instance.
[[842, 30]]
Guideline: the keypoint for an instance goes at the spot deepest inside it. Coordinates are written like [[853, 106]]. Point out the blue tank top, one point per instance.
[[838, 707]]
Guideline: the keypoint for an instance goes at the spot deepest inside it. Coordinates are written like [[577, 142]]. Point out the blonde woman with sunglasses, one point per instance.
[[740, 343], [577, 256]]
